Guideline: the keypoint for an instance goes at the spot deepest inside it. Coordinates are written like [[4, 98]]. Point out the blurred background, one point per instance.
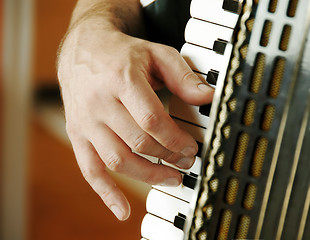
[[43, 194]]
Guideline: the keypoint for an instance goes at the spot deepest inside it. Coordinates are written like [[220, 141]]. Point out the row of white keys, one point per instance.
[[166, 207], [183, 191], [204, 60], [222, 12], [186, 112], [154, 228], [206, 34]]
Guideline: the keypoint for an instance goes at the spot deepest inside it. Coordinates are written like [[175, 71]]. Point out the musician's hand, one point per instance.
[[108, 81]]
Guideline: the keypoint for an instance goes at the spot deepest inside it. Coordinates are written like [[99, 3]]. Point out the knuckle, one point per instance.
[[171, 50], [115, 162], [188, 76], [149, 121], [106, 195], [89, 175], [152, 179], [171, 143], [141, 142], [71, 130]]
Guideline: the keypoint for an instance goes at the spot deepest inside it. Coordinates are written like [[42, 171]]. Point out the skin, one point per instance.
[[108, 76]]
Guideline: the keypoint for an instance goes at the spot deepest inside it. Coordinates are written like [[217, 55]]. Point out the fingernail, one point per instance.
[[171, 182], [189, 151], [204, 87], [117, 212], [185, 163]]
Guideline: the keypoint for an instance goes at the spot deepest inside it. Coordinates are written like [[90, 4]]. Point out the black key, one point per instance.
[[231, 6], [189, 181], [219, 46], [179, 221], [199, 149], [205, 109], [212, 76]]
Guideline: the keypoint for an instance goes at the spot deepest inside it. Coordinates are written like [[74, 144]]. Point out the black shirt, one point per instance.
[[165, 21]]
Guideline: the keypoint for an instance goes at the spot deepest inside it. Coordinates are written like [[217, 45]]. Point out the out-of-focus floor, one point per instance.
[[62, 204]]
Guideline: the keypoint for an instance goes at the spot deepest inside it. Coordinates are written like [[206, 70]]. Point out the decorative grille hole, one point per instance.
[[213, 184], [224, 225], [244, 51], [258, 73], [292, 7], [226, 131], [249, 111], [259, 157], [232, 104], [249, 198], [232, 190], [266, 33], [276, 77], [220, 159], [238, 78], [249, 24], [285, 37], [241, 149], [243, 227], [207, 211], [202, 235], [272, 6], [268, 117]]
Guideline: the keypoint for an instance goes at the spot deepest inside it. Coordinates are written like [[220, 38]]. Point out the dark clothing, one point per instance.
[[165, 21]]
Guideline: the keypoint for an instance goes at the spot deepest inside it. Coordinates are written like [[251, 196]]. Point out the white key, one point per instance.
[[180, 191], [196, 168], [145, 3], [189, 113], [198, 133], [212, 11], [203, 60], [205, 34], [150, 158], [165, 206], [154, 228]]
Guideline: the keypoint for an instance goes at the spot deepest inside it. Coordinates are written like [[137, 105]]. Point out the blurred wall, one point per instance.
[[61, 204]]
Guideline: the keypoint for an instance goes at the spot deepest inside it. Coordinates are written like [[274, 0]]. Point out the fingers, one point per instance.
[[121, 122], [179, 78], [93, 170], [147, 110], [118, 157]]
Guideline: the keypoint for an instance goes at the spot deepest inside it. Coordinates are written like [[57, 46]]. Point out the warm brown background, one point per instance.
[[62, 205]]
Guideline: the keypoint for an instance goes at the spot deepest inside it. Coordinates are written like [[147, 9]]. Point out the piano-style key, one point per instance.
[[183, 191], [205, 60], [198, 133], [222, 12], [166, 206], [186, 112], [150, 158], [195, 169], [154, 228], [207, 34]]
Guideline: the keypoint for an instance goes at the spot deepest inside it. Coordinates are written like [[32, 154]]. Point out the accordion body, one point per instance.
[[254, 181]]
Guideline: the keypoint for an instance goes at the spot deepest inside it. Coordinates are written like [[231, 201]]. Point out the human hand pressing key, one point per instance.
[[108, 78]]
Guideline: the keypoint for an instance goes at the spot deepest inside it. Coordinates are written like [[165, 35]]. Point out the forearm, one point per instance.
[[122, 15]]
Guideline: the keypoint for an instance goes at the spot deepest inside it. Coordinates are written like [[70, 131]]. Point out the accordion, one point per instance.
[[252, 176]]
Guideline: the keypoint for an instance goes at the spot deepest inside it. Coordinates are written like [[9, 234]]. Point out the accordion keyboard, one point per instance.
[[207, 50]]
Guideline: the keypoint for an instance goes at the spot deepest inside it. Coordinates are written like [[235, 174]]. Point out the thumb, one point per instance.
[[171, 67]]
